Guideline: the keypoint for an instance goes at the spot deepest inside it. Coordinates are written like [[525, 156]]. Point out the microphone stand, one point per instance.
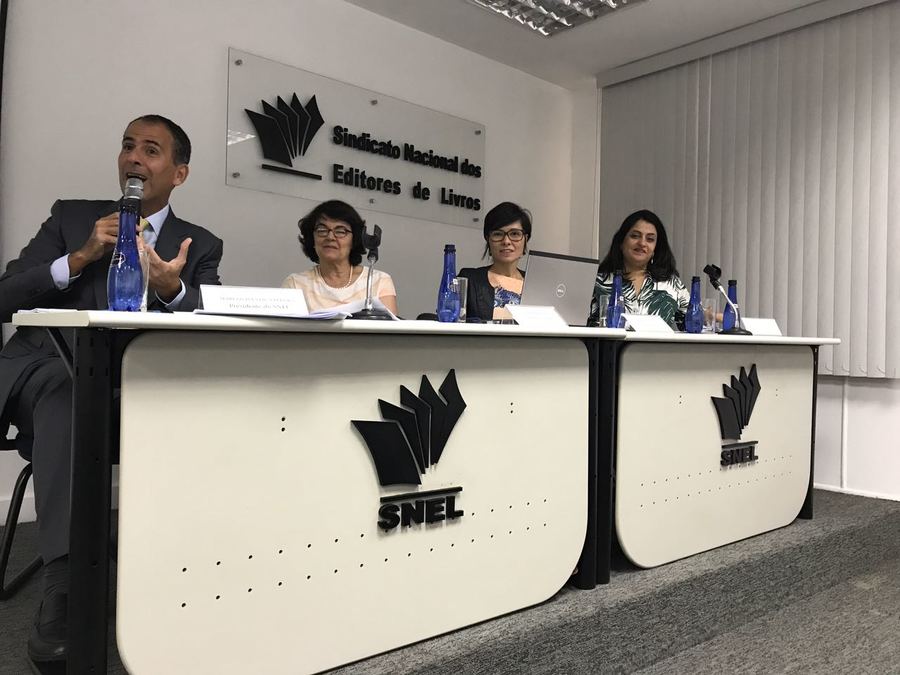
[[369, 311], [738, 328]]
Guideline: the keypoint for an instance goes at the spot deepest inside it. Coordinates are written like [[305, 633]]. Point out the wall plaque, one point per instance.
[[296, 133]]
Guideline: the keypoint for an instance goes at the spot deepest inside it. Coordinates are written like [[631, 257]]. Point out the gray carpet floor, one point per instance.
[[819, 596]]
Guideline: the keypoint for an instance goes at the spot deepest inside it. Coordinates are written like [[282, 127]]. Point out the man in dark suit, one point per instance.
[[65, 266]]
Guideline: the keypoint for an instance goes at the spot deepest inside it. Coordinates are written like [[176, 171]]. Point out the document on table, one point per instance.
[[42, 310], [761, 326], [359, 305], [646, 323], [537, 317], [286, 303]]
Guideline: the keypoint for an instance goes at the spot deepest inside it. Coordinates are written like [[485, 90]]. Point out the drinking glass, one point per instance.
[[460, 286], [145, 270], [603, 304], [710, 309]]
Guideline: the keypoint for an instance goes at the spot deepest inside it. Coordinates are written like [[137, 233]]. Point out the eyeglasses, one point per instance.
[[339, 232], [499, 235]]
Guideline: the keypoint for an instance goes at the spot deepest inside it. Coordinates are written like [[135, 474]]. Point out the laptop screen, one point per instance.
[[563, 281]]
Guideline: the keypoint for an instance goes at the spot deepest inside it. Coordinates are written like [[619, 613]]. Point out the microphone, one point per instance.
[[371, 242], [715, 273], [134, 189]]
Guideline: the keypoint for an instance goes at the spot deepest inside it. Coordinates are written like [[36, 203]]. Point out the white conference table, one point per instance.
[[617, 431], [685, 482], [253, 511]]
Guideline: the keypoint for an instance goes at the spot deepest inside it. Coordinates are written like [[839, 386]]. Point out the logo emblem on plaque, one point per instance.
[[414, 434], [285, 131], [411, 438], [734, 411]]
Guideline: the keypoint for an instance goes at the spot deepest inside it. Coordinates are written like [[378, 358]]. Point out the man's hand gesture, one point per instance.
[[102, 241], [165, 277]]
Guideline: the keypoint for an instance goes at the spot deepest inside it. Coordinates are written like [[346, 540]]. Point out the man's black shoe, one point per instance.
[[49, 636]]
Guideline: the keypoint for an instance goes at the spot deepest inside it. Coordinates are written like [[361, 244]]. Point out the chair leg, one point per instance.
[[8, 588]]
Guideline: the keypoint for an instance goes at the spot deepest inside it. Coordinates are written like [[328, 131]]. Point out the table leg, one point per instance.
[[91, 497], [806, 511], [586, 576], [606, 450]]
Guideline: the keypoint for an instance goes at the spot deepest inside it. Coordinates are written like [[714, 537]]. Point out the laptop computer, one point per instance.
[[565, 282]]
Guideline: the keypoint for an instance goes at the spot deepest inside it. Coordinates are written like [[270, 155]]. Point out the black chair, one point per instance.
[[23, 445]]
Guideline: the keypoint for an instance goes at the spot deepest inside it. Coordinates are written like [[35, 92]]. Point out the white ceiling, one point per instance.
[[568, 58]]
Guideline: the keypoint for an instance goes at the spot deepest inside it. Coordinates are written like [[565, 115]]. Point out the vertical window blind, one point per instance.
[[780, 162]]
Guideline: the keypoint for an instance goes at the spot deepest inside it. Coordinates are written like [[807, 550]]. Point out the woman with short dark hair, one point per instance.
[[507, 229], [331, 235], [650, 284]]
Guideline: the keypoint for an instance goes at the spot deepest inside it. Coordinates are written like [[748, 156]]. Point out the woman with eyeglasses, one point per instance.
[[332, 237], [507, 229]]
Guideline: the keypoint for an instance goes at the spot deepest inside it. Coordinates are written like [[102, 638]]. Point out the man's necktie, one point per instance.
[[147, 232]]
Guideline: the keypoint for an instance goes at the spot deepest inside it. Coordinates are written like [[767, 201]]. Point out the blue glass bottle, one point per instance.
[[693, 318], [728, 314], [616, 306], [125, 280], [448, 298]]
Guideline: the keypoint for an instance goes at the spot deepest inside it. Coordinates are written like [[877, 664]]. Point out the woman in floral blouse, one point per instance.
[[650, 284]]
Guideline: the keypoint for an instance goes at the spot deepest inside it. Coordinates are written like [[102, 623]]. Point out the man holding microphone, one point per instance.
[[65, 266]]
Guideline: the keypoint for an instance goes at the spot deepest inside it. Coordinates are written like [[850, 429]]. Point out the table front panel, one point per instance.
[[249, 503], [677, 492]]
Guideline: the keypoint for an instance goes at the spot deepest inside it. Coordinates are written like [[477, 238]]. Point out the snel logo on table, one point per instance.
[[734, 411], [285, 131], [409, 441]]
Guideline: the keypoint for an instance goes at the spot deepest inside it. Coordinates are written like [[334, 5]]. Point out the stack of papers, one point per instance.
[[288, 303], [42, 310]]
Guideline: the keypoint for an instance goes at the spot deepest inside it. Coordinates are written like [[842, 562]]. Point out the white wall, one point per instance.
[[77, 71], [858, 436], [585, 169]]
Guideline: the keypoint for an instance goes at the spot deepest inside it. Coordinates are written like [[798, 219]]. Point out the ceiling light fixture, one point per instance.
[[549, 17]]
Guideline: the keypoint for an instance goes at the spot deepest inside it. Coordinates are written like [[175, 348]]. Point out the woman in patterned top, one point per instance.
[[332, 236], [650, 284], [507, 229]]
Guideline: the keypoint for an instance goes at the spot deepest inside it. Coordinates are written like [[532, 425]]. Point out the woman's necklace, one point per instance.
[[347, 285]]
